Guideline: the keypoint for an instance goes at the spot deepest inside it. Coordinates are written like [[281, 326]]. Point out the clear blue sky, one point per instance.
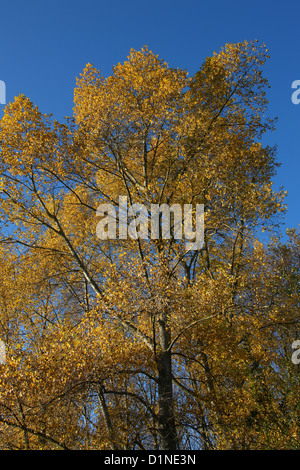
[[45, 45]]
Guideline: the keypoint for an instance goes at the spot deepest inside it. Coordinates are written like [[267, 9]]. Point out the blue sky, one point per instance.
[[45, 45]]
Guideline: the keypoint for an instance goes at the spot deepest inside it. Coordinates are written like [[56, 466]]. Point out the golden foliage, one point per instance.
[[137, 344]]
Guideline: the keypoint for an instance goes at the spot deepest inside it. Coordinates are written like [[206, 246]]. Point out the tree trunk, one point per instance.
[[107, 419], [166, 419]]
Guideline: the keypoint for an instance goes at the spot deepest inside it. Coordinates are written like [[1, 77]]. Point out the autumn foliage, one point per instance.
[[138, 344]]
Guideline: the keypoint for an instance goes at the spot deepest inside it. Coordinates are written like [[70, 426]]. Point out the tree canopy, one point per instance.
[[137, 343]]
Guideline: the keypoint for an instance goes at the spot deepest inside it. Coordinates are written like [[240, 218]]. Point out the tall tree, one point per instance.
[[135, 342]]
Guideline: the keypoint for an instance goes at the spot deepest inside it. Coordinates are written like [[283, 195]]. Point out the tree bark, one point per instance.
[[166, 419], [107, 419]]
